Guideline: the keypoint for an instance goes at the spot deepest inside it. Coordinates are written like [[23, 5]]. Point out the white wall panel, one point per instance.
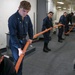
[[7, 8]]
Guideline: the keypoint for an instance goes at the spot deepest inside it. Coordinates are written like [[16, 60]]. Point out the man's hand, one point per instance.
[[30, 41], [63, 25], [51, 27], [20, 51]]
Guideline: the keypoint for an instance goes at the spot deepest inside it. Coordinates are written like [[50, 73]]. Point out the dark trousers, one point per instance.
[[15, 55], [66, 28], [60, 32], [47, 38]]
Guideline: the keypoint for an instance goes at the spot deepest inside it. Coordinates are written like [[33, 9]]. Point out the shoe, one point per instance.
[[48, 49], [60, 41], [45, 50], [74, 67]]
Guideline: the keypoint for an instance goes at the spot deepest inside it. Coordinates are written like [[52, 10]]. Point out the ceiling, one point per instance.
[[68, 4]]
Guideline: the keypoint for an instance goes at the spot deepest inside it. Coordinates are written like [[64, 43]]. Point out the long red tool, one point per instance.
[[27, 45]]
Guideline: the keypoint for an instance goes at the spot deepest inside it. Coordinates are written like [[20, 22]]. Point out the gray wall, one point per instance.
[[41, 13]]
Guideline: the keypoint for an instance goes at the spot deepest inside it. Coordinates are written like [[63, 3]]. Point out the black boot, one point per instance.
[[48, 49], [60, 41], [45, 50], [45, 47]]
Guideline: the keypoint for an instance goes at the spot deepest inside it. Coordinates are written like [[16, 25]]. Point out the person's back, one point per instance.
[[73, 19], [69, 17], [6, 66]]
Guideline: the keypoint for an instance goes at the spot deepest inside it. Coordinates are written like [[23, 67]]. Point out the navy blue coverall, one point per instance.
[[18, 30], [62, 20], [47, 23]]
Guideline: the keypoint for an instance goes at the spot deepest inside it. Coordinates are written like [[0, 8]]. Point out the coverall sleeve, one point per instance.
[[12, 25], [30, 29]]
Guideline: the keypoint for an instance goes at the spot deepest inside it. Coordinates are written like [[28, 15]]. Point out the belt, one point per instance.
[[22, 38]]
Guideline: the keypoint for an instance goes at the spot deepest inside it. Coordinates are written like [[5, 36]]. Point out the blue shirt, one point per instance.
[[47, 23], [19, 28], [63, 20]]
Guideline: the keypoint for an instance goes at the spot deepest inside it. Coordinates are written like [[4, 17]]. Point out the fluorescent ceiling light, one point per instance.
[[60, 2], [64, 8], [58, 7], [69, 9]]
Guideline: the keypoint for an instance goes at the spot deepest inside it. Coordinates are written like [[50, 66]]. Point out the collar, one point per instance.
[[18, 15], [49, 18]]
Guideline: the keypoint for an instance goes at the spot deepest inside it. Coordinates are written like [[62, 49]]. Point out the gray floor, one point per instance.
[[59, 61]]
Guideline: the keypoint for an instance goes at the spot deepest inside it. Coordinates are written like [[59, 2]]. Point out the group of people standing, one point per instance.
[[65, 19], [47, 23]]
